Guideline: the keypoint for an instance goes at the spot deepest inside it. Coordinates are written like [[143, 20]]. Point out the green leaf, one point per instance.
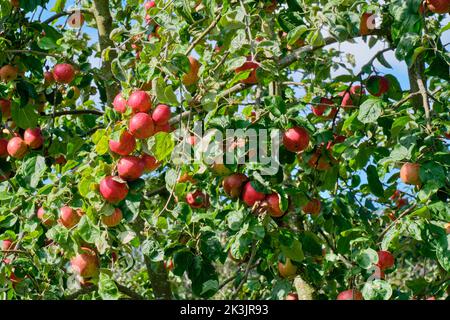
[[87, 231], [375, 185], [25, 117], [367, 258], [59, 6], [296, 33], [47, 43], [377, 290], [161, 145], [107, 288], [370, 110]]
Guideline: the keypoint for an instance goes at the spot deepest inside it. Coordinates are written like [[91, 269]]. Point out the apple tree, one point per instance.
[[102, 101]]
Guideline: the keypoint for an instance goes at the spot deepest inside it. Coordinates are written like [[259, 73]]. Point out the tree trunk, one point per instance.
[[103, 18]]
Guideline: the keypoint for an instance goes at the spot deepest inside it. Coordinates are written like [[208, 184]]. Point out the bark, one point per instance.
[[102, 14], [157, 274]]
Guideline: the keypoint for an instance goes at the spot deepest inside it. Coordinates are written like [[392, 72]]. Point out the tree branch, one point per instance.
[[64, 13], [204, 33], [247, 270], [73, 112]]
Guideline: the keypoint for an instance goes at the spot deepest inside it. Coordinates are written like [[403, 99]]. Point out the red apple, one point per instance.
[[367, 24], [163, 128], [249, 65], [69, 217], [5, 108], [8, 73], [191, 77], [125, 145], [17, 148], [313, 207], [3, 148], [197, 199], [15, 3], [60, 160], [7, 244], [141, 125], [320, 109], [351, 294], [113, 219], [150, 163], [296, 139], [64, 73], [385, 260], [140, 101], [49, 79], [439, 6], [85, 264], [161, 114], [319, 161], [292, 296], [273, 205], [130, 168], [409, 173], [149, 4], [250, 196], [112, 190], [48, 222], [168, 265], [287, 269], [377, 85], [33, 138], [447, 227], [120, 103], [232, 185]]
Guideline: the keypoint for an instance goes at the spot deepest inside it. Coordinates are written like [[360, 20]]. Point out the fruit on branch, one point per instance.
[[287, 269], [8, 73], [7, 243], [186, 177], [249, 65], [351, 294], [161, 114], [125, 145], [33, 138], [313, 207], [113, 190], [273, 205], [5, 108], [69, 217], [17, 148], [168, 265], [410, 173], [76, 20], [3, 148], [48, 222], [250, 196], [439, 6], [149, 4], [141, 125], [191, 77], [86, 263], [120, 103], [15, 3], [220, 169], [149, 162], [163, 128], [130, 168], [292, 296], [385, 260], [447, 227], [60, 160], [377, 85], [351, 98], [269, 8], [320, 108], [232, 185], [367, 24], [113, 219], [320, 160], [49, 79], [64, 73], [197, 199], [400, 203], [296, 139], [140, 101], [336, 139]]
